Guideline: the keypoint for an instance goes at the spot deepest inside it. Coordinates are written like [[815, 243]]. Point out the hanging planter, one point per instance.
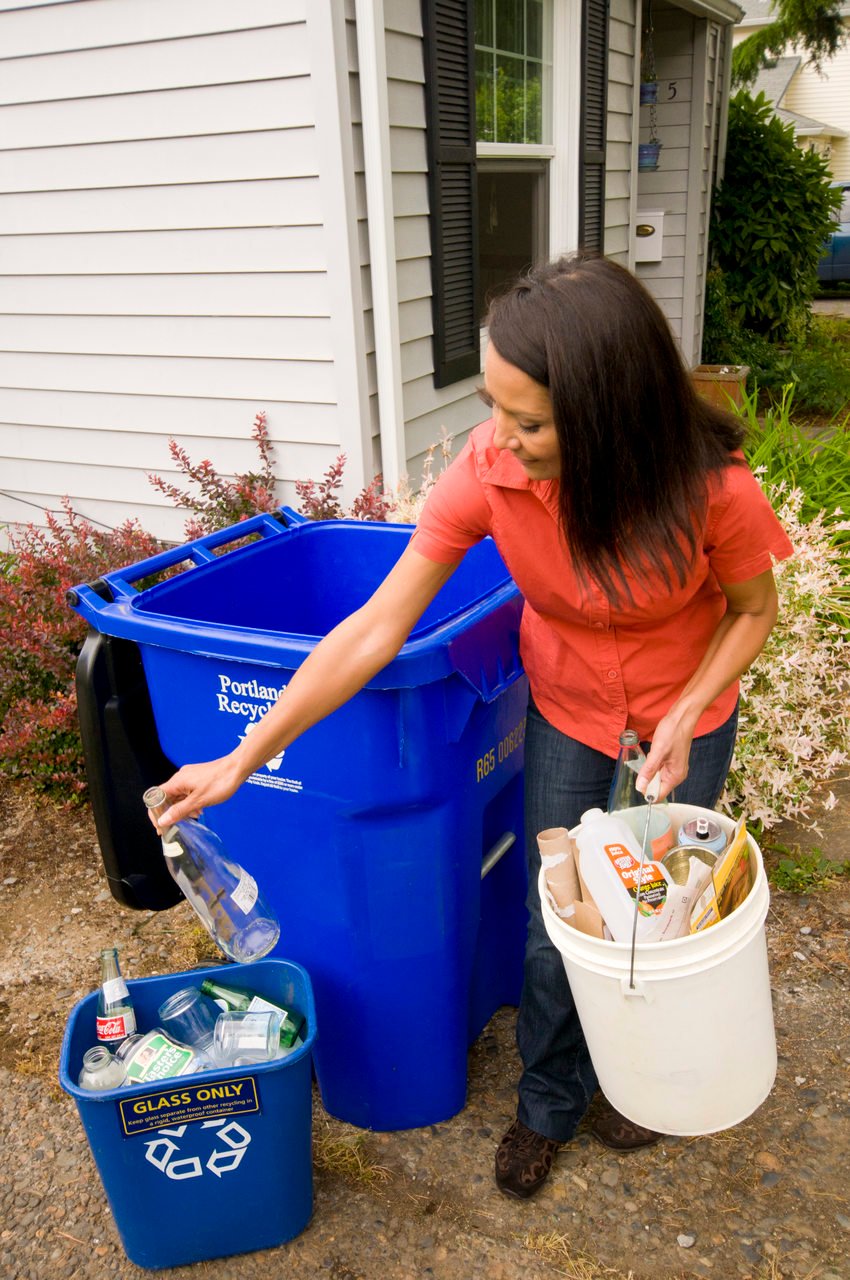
[[648, 152], [648, 155]]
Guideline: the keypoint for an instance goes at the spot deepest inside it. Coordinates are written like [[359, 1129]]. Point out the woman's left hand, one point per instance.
[[751, 608], [668, 756]]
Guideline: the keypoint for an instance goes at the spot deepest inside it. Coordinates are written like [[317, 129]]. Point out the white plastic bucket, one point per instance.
[[692, 1048]]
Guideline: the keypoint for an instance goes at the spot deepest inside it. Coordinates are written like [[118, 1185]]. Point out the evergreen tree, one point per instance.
[[813, 27]]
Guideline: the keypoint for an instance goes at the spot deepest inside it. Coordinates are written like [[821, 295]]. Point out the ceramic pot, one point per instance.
[[648, 153]]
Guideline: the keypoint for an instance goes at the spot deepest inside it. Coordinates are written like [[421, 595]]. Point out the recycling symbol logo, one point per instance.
[[163, 1151]]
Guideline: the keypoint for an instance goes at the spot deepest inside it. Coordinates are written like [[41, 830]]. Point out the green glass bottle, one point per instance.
[[246, 1001]]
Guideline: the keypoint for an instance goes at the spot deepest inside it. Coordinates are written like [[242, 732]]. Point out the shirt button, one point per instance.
[[598, 626], [612, 674]]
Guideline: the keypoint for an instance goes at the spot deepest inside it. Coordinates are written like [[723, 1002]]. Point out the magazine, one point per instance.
[[731, 881]]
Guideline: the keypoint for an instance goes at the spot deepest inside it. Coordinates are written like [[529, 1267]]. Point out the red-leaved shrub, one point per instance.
[[41, 637], [219, 502], [320, 499]]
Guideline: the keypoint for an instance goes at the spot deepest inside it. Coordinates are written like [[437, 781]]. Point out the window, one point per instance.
[[509, 71], [512, 222], [536, 144], [844, 211], [513, 131]]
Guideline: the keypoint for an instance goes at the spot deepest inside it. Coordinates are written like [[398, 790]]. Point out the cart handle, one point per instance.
[[118, 585], [496, 852]]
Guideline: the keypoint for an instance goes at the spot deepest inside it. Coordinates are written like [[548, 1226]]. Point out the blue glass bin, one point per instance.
[[388, 837], [210, 1164]]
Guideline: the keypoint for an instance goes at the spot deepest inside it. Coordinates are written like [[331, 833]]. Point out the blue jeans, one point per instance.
[[563, 778]]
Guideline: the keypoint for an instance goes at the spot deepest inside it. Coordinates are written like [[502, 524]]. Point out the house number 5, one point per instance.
[[672, 89]]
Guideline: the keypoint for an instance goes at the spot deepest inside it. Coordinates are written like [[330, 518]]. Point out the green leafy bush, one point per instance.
[[818, 366], [782, 453], [726, 341], [770, 218], [797, 871]]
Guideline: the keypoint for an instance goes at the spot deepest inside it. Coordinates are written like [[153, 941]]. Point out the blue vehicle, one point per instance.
[[834, 266]]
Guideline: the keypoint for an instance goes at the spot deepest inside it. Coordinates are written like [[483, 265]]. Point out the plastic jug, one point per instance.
[[610, 860]]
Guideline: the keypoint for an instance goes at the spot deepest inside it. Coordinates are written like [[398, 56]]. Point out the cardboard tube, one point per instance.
[[557, 855], [588, 920], [588, 916]]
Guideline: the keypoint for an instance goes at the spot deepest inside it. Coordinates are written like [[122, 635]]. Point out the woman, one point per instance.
[[642, 545]]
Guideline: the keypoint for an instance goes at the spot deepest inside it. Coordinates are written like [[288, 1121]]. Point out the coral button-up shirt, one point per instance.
[[595, 669]]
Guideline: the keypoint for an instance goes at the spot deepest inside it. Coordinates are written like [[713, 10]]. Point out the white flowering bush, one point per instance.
[[405, 503], [795, 699]]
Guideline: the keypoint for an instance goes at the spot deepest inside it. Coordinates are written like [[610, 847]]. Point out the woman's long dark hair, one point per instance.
[[637, 444]]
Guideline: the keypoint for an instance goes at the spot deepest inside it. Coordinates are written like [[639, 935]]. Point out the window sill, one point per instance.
[[518, 150]]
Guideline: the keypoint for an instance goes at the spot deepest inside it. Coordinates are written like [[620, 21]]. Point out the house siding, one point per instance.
[[184, 240], [622, 38], [165, 252], [820, 95], [667, 187], [826, 97], [427, 409], [707, 140], [690, 54]]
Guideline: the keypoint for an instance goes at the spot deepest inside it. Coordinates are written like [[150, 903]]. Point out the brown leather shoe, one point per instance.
[[615, 1131], [523, 1161]]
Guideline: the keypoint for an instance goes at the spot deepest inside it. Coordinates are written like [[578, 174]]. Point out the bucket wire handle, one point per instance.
[[650, 795]]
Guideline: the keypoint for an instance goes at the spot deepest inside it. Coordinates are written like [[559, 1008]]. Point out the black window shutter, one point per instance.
[[594, 112], [448, 28]]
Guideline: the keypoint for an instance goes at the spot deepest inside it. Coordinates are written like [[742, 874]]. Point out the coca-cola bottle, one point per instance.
[[116, 1018], [223, 894]]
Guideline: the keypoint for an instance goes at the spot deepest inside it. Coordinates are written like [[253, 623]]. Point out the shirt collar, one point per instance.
[[507, 473]]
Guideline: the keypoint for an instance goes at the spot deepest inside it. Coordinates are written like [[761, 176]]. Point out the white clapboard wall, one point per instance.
[[622, 42], [183, 242]]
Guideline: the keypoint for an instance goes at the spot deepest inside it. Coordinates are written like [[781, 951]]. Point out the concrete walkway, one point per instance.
[[831, 307]]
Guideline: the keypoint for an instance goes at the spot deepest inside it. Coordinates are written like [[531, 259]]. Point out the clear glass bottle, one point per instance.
[[224, 895], [101, 1070], [116, 1018], [624, 793]]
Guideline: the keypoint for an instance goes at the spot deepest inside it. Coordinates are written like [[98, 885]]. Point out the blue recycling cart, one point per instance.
[[388, 837], [205, 1165]]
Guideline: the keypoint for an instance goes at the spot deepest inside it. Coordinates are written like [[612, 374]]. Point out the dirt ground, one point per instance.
[[767, 1200]]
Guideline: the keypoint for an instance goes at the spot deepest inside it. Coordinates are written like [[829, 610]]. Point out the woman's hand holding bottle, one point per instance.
[[195, 786], [668, 755]]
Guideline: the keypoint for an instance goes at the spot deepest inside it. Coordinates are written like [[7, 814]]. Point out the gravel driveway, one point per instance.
[[767, 1199]]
